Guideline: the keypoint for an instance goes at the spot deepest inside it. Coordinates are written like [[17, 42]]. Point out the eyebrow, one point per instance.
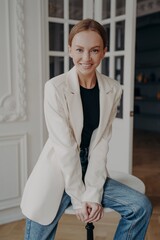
[[97, 46]]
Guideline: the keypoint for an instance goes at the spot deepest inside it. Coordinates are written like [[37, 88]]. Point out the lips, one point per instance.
[[86, 65]]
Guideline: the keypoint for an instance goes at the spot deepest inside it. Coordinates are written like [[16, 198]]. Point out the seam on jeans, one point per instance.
[[133, 210], [134, 224], [28, 228]]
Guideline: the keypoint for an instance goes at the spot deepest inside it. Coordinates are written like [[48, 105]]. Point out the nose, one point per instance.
[[86, 55]]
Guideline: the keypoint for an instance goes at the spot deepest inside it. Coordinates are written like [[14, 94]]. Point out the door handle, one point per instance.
[[131, 113]]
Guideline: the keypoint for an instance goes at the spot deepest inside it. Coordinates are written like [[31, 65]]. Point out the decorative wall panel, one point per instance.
[[12, 61], [13, 169]]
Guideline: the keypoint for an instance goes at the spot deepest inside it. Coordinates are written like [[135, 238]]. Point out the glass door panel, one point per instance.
[[56, 36], [105, 66], [120, 35], [76, 9], [56, 8], [107, 29], [119, 69], [106, 9], [56, 66], [120, 7]]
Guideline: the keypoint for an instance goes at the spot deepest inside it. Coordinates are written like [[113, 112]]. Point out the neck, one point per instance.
[[87, 81]]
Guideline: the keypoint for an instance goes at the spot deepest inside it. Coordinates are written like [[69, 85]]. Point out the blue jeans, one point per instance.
[[135, 210]]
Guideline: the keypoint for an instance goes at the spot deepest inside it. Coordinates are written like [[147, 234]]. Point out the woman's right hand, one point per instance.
[[90, 212]]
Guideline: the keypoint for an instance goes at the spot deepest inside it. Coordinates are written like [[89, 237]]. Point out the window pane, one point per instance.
[[71, 64], [120, 7], [120, 108], [76, 9], [105, 66], [56, 37], [56, 8], [106, 9], [70, 26], [120, 30], [119, 68], [56, 66], [107, 29]]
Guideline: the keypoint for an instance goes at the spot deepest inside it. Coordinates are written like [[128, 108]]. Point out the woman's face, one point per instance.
[[87, 51]]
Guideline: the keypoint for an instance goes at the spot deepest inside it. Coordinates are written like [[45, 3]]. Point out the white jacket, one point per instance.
[[58, 166]]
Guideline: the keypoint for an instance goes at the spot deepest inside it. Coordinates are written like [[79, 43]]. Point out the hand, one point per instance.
[[90, 212]]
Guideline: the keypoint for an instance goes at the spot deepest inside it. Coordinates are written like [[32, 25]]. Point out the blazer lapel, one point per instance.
[[74, 103]]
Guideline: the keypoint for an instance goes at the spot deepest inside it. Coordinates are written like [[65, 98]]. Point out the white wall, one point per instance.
[[21, 99]]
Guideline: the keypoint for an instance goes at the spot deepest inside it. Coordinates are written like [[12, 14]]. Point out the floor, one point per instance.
[[146, 166], [146, 159]]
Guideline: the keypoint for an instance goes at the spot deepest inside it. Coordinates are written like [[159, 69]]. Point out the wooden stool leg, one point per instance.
[[89, 227]]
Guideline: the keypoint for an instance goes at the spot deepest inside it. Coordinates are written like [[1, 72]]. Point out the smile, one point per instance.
[[86, 65]]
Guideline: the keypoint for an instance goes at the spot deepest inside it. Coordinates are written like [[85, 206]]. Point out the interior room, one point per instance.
[[146, 144], [33, 49]]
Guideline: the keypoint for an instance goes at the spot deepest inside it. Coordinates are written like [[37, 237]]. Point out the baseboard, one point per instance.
[[10, 215]]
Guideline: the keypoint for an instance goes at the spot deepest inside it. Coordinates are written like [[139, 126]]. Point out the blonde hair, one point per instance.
[[88, 24]]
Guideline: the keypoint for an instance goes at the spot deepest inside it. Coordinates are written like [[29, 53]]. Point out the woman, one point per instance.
[[80, 106]]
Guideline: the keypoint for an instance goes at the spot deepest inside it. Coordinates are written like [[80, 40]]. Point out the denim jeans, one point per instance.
[[135, 210]]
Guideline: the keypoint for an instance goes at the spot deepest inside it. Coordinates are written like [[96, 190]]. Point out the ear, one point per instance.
[[70, 51]]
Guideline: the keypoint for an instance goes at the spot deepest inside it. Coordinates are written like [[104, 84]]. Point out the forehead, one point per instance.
[[88, 37]]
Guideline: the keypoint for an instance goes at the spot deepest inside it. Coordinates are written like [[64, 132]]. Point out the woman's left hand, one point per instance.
[[90, 212]]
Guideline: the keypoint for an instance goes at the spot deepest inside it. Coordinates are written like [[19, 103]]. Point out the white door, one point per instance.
[[118, 18]]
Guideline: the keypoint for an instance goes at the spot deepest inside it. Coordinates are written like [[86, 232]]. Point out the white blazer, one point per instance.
[[58, 166]]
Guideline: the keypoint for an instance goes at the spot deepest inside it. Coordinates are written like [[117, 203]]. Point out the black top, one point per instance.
[[91, 112]]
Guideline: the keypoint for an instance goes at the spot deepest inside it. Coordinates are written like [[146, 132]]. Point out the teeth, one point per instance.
[[86, 65]]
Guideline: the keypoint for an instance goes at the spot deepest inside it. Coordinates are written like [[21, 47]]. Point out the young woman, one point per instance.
[[80, 106]]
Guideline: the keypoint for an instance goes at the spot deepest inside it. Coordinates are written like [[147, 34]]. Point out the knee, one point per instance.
[[145, 206], [148, 205]]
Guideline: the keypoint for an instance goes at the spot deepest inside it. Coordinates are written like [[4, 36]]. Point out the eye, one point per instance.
[[79, 50], [95, 50]]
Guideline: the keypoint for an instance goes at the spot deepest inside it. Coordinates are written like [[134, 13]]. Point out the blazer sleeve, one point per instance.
[[97, 171], [64, 145]]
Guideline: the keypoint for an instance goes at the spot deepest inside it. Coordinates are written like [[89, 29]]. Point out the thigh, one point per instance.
[[122, 198], [36, 231]]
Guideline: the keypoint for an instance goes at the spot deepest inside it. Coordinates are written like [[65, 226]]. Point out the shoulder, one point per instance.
[[112, 82], [57, 81], [109, 84]]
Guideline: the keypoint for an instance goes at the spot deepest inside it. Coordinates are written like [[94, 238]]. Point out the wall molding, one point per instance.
[[13, 107], [11, 198]]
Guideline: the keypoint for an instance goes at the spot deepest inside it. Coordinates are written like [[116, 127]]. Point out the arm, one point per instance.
[[96, 174], [97, 171], [64, 144]]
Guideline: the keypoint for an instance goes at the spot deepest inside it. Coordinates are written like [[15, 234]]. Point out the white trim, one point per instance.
[[129, 66], [8, 39], [13, 215], [20, 143]]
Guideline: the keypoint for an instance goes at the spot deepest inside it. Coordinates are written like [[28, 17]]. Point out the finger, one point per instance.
[[94, 211], [97, 216], [85, 214], [95, 219], [82, 214], [78, 214]]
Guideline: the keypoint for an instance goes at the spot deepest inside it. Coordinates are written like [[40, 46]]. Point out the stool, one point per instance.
[[124, 178]]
